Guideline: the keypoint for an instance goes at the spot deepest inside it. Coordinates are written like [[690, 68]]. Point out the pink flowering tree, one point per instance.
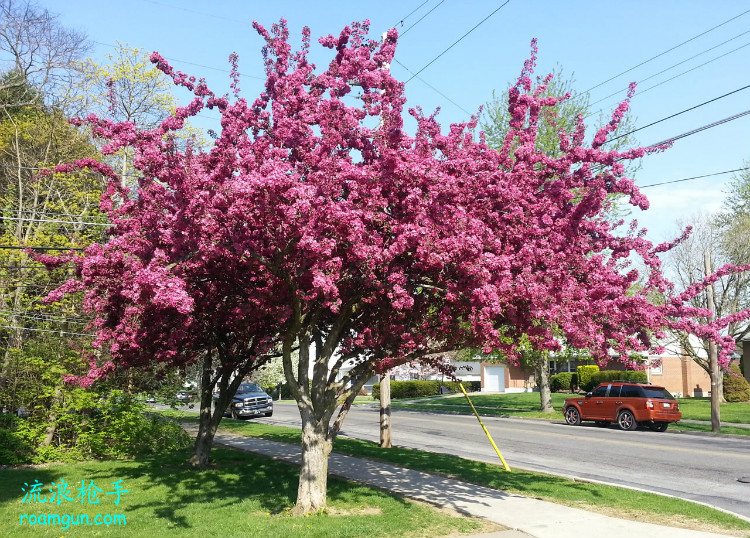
[[315, 223]]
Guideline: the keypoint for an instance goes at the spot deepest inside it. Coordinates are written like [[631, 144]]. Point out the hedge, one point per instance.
[[632, 376], [736, 387], [561, 382], [584, 377], [420, 389]]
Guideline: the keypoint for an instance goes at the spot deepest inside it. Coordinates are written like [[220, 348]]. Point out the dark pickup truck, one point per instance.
[[250, 401]]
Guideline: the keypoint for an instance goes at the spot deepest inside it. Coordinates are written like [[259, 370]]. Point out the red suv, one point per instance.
[[630, 404]]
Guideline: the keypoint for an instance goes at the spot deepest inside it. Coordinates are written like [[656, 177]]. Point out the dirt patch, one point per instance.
[[367, 511]]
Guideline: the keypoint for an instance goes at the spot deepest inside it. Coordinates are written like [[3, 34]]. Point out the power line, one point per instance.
[[42, 318], [44, 330], [677, 114], [458, 40], [52, 214], [412, 12], [8, 247], [434, 88], [699, 129], [668, 50], [421, 19], [641, 92], [694, 177], [24, 219], [187, 62]]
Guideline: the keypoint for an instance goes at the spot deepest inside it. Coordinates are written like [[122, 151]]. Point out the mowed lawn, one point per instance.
[[526, 404], [241, 495]]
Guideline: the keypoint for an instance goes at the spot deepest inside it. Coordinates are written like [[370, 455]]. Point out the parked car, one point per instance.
[[183, 396], [629, 404], [250, 401]]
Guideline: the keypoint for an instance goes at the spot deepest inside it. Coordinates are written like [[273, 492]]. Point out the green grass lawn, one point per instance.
[[700, 409], [617, 502], [241, 495]]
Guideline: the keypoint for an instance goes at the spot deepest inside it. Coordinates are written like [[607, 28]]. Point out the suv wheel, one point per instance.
[[660, 426], [626, 420], [572, 416]]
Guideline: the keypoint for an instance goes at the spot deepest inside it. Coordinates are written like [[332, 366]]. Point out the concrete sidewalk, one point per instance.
[[523, 516]]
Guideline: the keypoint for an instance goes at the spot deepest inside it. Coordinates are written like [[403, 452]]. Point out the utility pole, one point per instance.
[[385, 377], [713, 355]]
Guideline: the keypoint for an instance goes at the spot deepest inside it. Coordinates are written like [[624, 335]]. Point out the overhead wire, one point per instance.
[[641, 92], [44, 330], [401, 34], [677, 114], [668, 50], [25, 219], [457, 41], [423, 81], [699, 129], [692, 178], [412, 12], [9, 210]]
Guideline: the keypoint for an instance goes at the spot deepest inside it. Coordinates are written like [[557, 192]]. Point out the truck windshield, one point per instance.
[[248, 387]]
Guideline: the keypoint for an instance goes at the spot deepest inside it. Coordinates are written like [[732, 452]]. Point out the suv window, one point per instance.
[[600, 391], [657, 392], [630, 391], [614, 392]]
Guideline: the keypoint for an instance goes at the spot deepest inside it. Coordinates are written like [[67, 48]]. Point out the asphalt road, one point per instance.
[[701, 468]]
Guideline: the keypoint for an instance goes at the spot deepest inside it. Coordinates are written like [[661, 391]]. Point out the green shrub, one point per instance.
[[87, 426], [421, 388], [561, 382], [736, 387], [605, 376], [584, 377]]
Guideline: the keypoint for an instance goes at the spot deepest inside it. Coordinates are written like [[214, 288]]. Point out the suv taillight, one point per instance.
[[649, 404]]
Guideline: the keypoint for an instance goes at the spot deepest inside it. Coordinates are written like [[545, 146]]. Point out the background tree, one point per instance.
[[39, 56], [127, 87], [723, 244], [562, 117]]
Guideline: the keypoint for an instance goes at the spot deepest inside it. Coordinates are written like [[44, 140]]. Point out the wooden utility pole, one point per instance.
[[713, 354], [385, 410]]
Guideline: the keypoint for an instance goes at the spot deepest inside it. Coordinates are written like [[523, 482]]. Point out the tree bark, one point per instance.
[[542, 374], [385, 410], [713, 356], [208, 421], [313, 476], [52, 418]]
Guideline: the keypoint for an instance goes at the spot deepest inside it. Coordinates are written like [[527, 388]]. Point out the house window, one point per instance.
[[657, 369]]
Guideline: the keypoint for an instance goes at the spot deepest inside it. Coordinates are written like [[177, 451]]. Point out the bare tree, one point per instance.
[[38, 57], [722, 244]]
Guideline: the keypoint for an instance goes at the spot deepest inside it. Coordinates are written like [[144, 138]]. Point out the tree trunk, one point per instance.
[[542, 374], [713, 355], [52, 418], [208, 421], [385, 410], [313, 476]]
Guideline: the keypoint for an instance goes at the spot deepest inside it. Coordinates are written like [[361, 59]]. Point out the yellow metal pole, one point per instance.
[[505, 465]]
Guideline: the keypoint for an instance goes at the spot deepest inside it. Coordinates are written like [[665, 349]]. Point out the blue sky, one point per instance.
[[593, 41]]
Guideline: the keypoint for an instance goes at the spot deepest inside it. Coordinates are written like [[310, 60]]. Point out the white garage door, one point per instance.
[[494, 379]]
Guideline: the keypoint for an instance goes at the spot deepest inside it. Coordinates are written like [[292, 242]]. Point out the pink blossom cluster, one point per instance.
[[420, 244]]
